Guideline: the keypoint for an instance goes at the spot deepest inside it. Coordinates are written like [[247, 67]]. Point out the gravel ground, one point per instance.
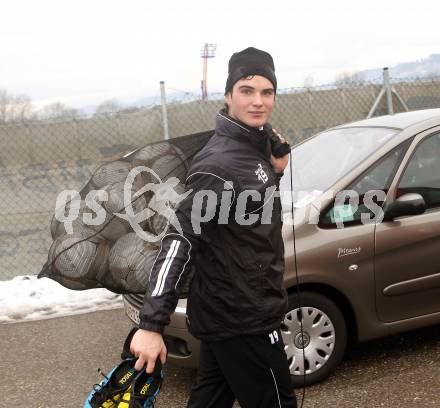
[[53, 363]]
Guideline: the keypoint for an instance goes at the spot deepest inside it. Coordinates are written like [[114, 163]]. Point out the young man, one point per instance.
[[232, 242]]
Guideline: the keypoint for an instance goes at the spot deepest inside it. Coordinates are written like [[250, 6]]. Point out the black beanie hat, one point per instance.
[[250, 61]]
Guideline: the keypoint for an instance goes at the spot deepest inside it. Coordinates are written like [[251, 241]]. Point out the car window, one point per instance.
[[422, 174], [377, 178], [321, 161]]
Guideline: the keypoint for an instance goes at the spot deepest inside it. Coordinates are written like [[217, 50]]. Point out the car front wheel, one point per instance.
[[324, 337]]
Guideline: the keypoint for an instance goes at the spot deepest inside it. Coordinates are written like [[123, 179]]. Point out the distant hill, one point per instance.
[[148, 101], [416, 69], [429, 66]]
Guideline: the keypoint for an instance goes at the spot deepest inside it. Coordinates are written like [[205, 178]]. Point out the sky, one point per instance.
[[84, 52]]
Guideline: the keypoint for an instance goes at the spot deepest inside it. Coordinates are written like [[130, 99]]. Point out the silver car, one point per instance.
[[366, 259]]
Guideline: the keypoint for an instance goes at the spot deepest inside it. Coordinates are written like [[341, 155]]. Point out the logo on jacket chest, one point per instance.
[[261, 174]]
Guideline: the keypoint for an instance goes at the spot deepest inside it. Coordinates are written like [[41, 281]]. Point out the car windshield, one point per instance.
[[321, 161]]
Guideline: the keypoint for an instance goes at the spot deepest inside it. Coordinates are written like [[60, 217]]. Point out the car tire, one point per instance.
[[325, 337]]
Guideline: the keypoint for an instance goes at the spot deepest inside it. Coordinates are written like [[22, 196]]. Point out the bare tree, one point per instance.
[[108, 106], [21, 109], [349, 78], [58, 110], [15, 108]]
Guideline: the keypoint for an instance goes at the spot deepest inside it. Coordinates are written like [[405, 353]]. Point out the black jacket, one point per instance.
[[236, 257]]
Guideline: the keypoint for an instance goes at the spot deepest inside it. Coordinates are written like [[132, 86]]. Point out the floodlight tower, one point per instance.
[[208, 51]]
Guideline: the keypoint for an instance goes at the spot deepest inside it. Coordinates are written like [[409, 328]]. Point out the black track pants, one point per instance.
[[251, 369]]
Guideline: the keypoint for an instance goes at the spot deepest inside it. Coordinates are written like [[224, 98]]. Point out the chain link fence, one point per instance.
[[40, 159]]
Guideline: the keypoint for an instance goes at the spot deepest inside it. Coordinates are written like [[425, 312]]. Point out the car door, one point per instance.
[[346, 236], [407, 254]]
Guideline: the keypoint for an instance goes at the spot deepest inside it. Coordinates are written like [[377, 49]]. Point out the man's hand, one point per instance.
[[279, 163], [148, 346]]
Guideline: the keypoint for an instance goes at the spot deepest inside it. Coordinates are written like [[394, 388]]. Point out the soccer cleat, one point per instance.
[[116, 382], [144, 389]]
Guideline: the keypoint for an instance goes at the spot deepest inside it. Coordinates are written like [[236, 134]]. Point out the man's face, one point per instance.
[[251, 100]]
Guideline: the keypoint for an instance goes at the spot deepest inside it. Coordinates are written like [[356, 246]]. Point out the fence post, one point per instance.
[[164, 110], [312, 112], [78, 138], [380, 96], [344, 104], [117, 117], [386, 83]]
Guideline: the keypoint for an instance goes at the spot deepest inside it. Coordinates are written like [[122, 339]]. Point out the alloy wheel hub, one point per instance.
[[301, 341]]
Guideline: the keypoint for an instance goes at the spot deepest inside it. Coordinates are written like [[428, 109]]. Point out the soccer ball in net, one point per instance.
[[130, 262]]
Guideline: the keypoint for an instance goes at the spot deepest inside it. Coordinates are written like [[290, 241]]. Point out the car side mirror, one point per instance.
[[407, 204]]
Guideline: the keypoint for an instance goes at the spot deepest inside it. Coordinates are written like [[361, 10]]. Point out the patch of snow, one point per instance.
[[25, 298]]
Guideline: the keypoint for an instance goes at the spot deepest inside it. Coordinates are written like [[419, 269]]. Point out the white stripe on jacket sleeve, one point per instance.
[[165, 268]]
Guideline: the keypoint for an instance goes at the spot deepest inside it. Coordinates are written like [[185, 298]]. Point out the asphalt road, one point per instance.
[[53, 363]]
